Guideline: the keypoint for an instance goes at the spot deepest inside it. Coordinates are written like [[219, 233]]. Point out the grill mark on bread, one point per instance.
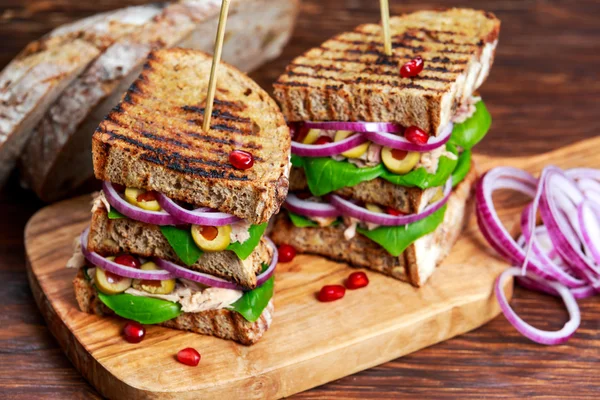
[[377, 46], [367, 70], [217, 113], [369, 81]]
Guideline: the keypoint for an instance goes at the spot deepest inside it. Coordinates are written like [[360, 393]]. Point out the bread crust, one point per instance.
[[154, 139], [349, 77], [415, 265], [225, 324]]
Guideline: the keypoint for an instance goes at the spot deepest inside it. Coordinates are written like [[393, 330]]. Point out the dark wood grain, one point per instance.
[[543, 93]]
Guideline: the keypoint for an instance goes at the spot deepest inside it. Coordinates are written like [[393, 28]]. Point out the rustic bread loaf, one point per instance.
[[349, 77], [415, 265], [225, 324]]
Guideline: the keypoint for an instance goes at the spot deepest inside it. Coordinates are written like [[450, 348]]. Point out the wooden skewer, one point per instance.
[[385, 22], [212, 83]]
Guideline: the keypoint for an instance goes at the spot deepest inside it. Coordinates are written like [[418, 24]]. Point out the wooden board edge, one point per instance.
[[265, 385]]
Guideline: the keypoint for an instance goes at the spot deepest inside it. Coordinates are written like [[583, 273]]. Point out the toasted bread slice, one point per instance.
[[225, 324], [256, 32], [111, 237], [349, 78], [163, 148], [415, 265]]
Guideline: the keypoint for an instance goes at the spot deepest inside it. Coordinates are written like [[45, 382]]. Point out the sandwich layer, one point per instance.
[[222, 323], [154, 140], [349, 77], [415, 265], [111, 237]]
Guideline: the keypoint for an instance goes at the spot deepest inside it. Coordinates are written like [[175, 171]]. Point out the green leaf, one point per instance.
[[462, 167], [423, 179], [470, 132], [395, 239], [243, 250], [325, 175], [114, 214], [300, 221], [252, 303], [182, 243], [145, 310]]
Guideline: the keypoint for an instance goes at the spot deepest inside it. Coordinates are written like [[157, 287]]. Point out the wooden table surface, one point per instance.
[[543, 93]]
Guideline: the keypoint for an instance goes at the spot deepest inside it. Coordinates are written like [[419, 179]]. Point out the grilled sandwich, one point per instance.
[[385, 200], [180, 219]]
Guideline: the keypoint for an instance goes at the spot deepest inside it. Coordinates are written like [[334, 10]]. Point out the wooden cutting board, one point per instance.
[[309, 343]]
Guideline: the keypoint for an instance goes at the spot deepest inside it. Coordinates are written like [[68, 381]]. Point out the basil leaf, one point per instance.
[[395, 239], [252, 303], [243, 250], [462, 167], [300, 221], [145, 310], [423, 179], [114, 214], [470, 132], [182, 243]]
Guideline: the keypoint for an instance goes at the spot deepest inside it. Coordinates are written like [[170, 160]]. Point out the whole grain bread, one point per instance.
[[415, 265], [225, 324], [111, 237], [256, 32], [154, 139], [349, 77]]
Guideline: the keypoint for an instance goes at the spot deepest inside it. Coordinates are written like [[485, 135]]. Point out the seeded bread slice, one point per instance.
[[189, 164], [225, 324], [415, 265], [111, 237], [349, 77]]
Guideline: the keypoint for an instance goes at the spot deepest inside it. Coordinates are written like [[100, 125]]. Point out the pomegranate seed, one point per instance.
[[324, 140], [241, 159], [286, 253], [331, 293], [416, 135], [412, 68], [134, 332], [188, 356], [357, 280], [393, 211], [147, 196], [128, 261]]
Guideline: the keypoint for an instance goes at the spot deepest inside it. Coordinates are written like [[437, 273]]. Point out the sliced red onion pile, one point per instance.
[[213, 281], [560, 257], [339, 206], [384, 134], [172, 214], [171, 270], [118, 269]]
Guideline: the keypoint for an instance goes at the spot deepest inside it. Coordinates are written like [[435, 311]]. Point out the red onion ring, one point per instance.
[[213, 281], [328, 149], [119, 269], [199, 216], [356, 126], [136, 213], [401, 143], [362, 214], [310, 208], [537, 335], [570, 224]]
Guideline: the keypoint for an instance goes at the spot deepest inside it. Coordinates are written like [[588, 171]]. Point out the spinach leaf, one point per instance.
[[182, 243], [252, 303], [423, 179], [300, 221], [462, 168], [243, 250], [144, 310], [470, 132], [114, 214], [395, 239]]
